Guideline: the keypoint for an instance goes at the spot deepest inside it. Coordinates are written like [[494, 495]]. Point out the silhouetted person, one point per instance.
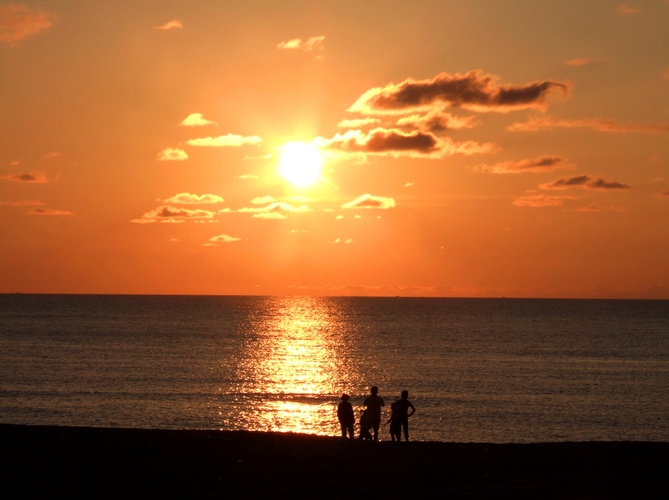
[[345, 416], [365, 425], [374, 404], [395, 422], [403, 406]]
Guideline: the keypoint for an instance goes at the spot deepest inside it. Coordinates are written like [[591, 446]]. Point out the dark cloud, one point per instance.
[[49, 211], [536, 165], [472, 90], [167, 213], [395, 142], [584, 181], [27, 177], [435, 121], [369, 201]]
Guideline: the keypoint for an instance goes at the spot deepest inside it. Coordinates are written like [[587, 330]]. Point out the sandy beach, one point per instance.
[[113, 463]]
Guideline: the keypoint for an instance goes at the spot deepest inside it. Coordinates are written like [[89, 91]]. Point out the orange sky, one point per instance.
[[469, 148]]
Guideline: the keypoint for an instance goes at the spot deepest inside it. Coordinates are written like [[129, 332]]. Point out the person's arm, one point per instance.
[[413, 409]]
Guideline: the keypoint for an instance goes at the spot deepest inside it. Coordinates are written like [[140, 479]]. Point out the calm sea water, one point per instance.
[[496, 370]]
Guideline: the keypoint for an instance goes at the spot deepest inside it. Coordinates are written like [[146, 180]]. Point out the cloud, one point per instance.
[[395, 142], [369, 201], [170, 154], [627, 9], [196, 120], [247, 176], [600, 208], [27, 177], [170, 25], [541, 200], [49, 211], [52, 154], [224, 238], [261, 200], [345, 242], [599, 124], [194, 199], [663, 193], [22, 203], [585, 182], [409, 184], [277, 206], [269, 215], [436, 120], [167, 213], [20, 21], [262, 157], [358, 122], [339, 217], [473, 90], [584, 61], [313, 43], [230, 140], [536, 165]]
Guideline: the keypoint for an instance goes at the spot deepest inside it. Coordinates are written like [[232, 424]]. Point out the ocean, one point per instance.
[[477, 370]]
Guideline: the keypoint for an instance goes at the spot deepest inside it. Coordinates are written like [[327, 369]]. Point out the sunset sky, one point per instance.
[[471, 148]]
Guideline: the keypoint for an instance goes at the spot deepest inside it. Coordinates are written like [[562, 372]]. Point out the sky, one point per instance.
[[382, 148]]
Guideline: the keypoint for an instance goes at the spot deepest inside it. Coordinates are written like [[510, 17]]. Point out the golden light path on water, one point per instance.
[[293, 369]]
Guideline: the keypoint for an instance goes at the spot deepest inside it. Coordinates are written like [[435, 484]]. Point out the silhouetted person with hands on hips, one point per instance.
[[402, 411], [374, 404], [345, 416]]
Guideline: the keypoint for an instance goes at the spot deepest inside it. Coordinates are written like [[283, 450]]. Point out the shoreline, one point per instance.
[[115, 462]]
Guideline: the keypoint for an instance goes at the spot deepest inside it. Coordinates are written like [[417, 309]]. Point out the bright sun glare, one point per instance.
[[301, 163]]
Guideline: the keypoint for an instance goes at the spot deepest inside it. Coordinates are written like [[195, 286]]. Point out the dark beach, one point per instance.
[[113, 463]]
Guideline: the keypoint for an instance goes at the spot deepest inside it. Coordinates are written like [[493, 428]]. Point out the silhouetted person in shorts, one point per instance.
[[403, 414], [373, 404], [345, 416]]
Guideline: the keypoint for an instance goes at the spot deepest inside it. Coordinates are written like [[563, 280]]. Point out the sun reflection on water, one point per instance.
[[294, 366]]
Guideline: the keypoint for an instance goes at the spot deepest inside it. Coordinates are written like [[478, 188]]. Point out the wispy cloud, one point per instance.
[[345, 242], [601, 208], [409, 184], [172, 154], [437, 120], [369, 201], [247, 176], [269, 215], [49, 211], [358, 122], [395, 142], [230, 140], [20, 21], [167, 213], [171, 25], [22, 203], [196, 120], [313, 43], [541, 200], [224, 238], [473, 90], [535, 165], [27, 177], [599, 124], [194, 199], [277, 206], [585, 182], [627, 9], [584, 61]]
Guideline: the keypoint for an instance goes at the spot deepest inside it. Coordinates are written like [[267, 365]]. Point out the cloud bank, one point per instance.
[[20, 21], [473, 90]]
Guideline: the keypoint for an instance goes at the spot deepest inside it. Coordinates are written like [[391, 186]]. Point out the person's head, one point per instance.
[[405, 394], [345, 397], [374, 390]]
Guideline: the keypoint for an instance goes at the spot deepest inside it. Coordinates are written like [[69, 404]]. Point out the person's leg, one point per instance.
[[350, 431], [405, 426], [376, 425], [343, 429]]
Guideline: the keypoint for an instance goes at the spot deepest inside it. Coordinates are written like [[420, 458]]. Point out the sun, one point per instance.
[[300, 163]]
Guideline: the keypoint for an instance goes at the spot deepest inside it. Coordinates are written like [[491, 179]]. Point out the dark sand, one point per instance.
[[114, 463]]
